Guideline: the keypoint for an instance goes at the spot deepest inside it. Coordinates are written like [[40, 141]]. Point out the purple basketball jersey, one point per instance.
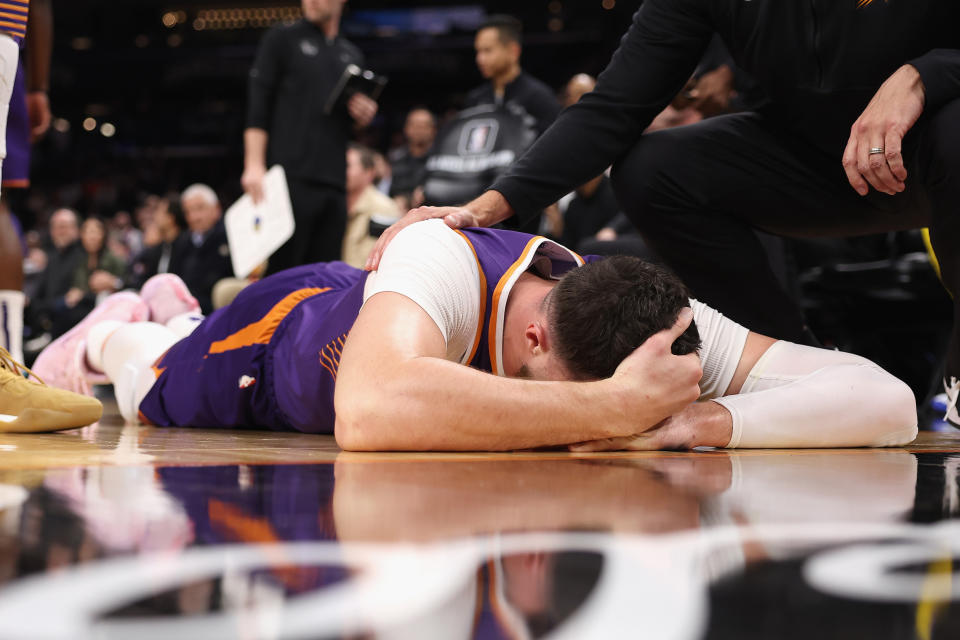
[[270, 359]]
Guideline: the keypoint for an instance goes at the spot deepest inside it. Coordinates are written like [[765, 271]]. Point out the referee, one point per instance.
[[296, 69]]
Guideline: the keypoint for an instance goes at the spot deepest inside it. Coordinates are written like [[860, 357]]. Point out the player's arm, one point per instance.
[[785, 395], [395, 391], [39, 44]]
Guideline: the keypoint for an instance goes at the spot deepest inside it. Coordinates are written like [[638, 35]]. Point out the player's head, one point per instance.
[[497, 45], [598, 314]]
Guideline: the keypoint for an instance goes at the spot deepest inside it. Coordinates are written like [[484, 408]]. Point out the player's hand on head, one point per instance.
[[252, 181], [455, 217], [873, 155], [652, 380]]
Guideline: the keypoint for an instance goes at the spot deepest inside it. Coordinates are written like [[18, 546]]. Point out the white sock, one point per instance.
[[127, 357], [11, 323], [96, 338], [9, 53]]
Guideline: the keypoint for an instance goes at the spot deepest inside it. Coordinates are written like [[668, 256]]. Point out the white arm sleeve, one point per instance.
[[798, 396], [433, 265]]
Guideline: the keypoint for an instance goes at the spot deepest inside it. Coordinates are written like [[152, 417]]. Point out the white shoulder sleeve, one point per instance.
[[722, 342], [435, 267]]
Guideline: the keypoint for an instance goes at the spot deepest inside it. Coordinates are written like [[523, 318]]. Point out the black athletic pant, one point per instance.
[[695, 192], [320, 213]]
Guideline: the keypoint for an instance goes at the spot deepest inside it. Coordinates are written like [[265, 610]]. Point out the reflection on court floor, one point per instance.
[[129, 543]]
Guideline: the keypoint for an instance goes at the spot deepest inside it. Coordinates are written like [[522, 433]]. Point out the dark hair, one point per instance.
[[172, 200], [367, 158], [509, 29], [598, 314]]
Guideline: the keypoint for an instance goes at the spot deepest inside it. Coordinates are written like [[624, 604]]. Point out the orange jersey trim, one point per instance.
[[495, 304], [263, 329], [483, 297]]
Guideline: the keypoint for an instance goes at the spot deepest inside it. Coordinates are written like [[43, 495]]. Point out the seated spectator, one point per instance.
[[158, 238], [409, 162], [364, 202], [201, 255], [98, 273], [125, 239], [590, 208], [47, 307]]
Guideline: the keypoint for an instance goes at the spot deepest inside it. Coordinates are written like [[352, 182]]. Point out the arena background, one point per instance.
[[149, 97], [168, 81]]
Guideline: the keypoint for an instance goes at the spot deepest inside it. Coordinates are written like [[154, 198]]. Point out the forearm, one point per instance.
[[255, 147], [939, 71], [490, 208], [39, 43], [404, 408], [840, 405], [654, 60]]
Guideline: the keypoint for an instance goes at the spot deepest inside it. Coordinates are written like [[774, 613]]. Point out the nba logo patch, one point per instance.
[[247, 381], [479, 137]]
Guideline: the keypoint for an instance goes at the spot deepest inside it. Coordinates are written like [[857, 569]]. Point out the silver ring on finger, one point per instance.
[[875, 150]]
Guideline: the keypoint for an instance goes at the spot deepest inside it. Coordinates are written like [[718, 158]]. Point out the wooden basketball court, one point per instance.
[[136, 532]]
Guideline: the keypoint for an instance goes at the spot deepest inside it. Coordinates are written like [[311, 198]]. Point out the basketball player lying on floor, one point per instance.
[[378, 359]]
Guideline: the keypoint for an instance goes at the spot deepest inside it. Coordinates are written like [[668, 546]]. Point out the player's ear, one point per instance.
[[535, 338]]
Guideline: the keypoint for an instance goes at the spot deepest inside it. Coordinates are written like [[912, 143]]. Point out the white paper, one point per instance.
[[255, 231]]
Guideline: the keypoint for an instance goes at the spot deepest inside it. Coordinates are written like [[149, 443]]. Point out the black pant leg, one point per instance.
[[936, 165], [697, 193], [329, 227], [319, 212]]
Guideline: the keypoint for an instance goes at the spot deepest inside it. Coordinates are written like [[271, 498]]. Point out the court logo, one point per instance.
[[478, 137]]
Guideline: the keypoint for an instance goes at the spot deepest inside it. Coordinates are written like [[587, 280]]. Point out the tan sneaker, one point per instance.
[[33, 407]]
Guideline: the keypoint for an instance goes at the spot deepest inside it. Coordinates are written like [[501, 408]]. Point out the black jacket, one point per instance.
[[294, 73], [202, 266], [536, 100], [819, 62], [57, 278]]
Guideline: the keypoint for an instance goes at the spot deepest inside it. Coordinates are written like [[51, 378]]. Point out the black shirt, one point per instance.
[[408, 171], [201, 265], [819, 62], [537, 102], [295, 71]]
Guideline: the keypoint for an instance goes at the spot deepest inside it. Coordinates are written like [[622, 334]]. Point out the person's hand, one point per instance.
[[38, 112], [252, 182], [873, 153], [712, 92], [101, 280], [701, 424], [362, 108], [455, 217], [73, 297], [652, 383]]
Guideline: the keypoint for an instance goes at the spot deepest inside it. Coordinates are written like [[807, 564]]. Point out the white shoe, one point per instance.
[[952, 390]]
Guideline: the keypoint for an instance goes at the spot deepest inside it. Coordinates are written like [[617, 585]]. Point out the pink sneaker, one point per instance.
[[63, 363], [167, 296]]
